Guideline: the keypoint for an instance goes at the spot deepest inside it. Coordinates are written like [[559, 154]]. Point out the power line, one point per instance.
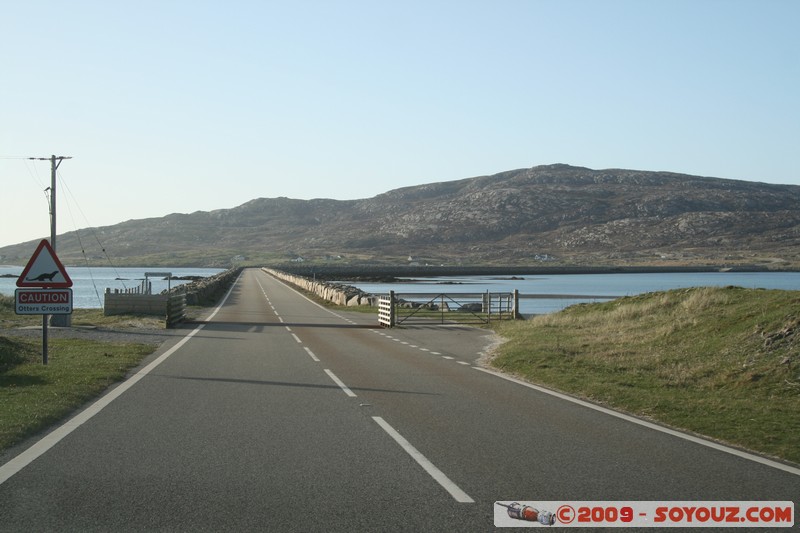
[[89, 227]]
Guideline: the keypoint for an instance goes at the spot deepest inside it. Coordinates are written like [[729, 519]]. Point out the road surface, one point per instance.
[[277, 414]]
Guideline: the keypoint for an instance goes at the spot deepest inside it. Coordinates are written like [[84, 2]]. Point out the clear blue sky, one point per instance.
[[178, 106]]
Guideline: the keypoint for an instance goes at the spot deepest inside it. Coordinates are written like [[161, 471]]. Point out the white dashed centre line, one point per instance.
[[314, 357], [342, 386], [454, 490]]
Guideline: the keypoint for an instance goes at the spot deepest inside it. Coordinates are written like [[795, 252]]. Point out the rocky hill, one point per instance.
[[555, 214]]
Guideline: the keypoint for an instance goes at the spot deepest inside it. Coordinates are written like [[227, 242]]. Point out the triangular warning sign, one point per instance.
[[44, 270]]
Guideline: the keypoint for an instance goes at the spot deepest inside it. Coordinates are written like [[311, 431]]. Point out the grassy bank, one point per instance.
[[34, 396], [722, 362]]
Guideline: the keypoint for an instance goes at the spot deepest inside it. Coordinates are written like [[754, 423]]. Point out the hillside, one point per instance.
[[555, 214]]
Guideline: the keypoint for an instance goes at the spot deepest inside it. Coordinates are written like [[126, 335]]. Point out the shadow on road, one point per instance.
[[212, 323], [290, 384]]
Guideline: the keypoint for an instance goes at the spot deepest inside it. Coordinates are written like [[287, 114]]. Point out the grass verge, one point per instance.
[[34, 396], [721, 362]]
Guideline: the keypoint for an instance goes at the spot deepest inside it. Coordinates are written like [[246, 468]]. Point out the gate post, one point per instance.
[[386, 315], [392, 317]]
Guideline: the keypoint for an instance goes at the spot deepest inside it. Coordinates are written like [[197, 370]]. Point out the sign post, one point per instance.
[[44, 288]]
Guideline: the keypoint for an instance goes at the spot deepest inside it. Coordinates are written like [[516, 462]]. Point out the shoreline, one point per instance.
[[389, 273]]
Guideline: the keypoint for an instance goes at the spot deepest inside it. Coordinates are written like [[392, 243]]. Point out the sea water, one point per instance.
[[558, 291], [89, 284]]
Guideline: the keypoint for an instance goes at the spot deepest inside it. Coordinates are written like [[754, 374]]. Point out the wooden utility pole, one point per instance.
[[55, 161], [58, 320]]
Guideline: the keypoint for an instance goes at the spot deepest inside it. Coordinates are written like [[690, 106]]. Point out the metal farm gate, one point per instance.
[[446, 308]]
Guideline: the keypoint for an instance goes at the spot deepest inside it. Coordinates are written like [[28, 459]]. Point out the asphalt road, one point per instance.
[[279, 415]]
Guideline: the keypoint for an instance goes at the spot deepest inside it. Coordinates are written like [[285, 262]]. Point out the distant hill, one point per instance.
[[554, 214]]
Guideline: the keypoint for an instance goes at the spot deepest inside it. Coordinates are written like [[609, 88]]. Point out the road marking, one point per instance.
[[297, 339], [341, 385], [458, 494], [668, 431], [42, 446], [463, 363], [445, 356], [38, 449], [314, 357], [406, 343]]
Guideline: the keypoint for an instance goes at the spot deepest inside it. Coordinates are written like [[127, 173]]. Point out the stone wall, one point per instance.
[[208, 291], [336, 293]]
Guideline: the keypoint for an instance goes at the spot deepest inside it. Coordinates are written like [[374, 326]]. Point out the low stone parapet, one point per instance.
[[337, 293], [208, 291]]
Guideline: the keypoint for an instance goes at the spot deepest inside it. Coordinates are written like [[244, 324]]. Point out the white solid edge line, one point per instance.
[[440, 477], [54, 437], [339, 382], [650, 425]]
